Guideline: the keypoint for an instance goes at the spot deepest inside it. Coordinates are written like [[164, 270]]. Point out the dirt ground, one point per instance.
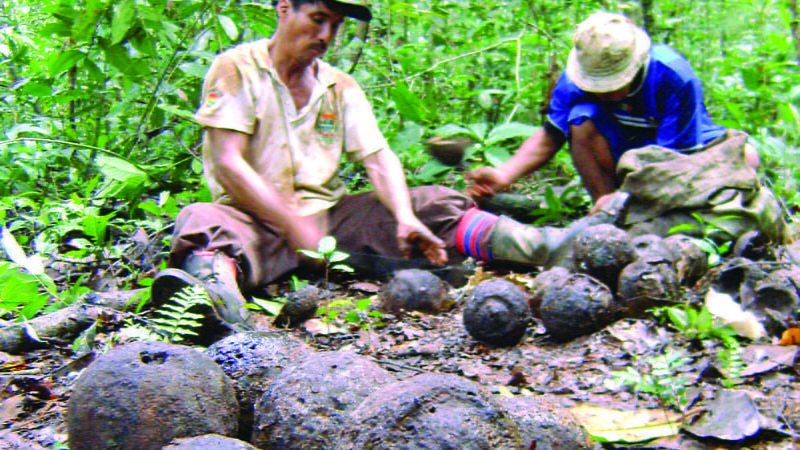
[[37, 385]]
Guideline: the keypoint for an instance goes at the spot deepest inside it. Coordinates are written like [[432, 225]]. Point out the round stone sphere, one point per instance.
[[497, 313], [416, 290], [578, 306], [691, 262], [541, 283], [602, 251], [144, 395], [430, 411], [651, 247], [645, 284], [252, 360], [307, 404]]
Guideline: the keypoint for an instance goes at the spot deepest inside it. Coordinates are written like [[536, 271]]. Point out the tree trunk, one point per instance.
[[647, 17], [64, 325], [794, 27]]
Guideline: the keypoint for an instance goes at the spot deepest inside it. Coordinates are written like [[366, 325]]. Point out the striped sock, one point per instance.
[[473, 227]]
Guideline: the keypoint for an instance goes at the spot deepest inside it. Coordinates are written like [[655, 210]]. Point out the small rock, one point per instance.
[[544, 423], [209, 441], [435, 411], [144, 395], [416, 290], [777, 300], [497, 313], [306, 405], [578, 306], [602, 251], [299, 307]]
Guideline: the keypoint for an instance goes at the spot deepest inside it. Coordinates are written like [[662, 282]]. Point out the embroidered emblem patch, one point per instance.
[[213, 98], [327, 126]]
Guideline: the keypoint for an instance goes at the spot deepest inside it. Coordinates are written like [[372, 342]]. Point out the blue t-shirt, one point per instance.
[[665, 109]]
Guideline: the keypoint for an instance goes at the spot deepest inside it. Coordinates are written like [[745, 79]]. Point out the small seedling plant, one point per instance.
[[658, 376], [714, 240], [329, 256]]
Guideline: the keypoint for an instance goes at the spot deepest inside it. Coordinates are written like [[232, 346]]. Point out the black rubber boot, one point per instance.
[[515, 242], [216, 272]]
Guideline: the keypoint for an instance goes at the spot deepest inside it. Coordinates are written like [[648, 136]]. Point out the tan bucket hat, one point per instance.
[[608, 50]]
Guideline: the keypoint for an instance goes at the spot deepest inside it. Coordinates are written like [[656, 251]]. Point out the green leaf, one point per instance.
[[124, 13], [338, 256], [343, 268], [121, 170], [682, 227], [353, 317], [64, 62], [496, 155], [409, 105], [89, 16], [228, 26], [478, 130], [454, 130], [363, 304], [679, 318], [326, 245], [432, 170], [174, 109], [311, 254], [510, 130], [270, 306]]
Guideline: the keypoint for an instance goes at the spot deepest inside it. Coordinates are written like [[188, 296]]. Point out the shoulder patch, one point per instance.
[[212, 98]]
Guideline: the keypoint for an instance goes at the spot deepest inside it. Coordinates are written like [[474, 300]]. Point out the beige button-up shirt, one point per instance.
[[298, 152]]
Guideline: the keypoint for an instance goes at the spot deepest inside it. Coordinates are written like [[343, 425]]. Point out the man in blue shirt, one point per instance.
[[618, 93]]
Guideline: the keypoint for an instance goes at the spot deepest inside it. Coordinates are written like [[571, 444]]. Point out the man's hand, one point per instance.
[[418, 235], [486, 182]]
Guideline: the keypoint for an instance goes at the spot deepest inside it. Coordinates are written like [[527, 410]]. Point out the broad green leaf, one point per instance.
[[64, 62], [124, 13], [194, 69], [509, 131], [272, 307], [496, 155], [343, 268], [407, 138], [120, 170], [453, 130], [85, 26], [363, 304], [479, 130], [432, 170], [326, 245], [409, 105], [352, 317], [228, 26], [679, 318], [174, 109], [338, 257], [311, 254]]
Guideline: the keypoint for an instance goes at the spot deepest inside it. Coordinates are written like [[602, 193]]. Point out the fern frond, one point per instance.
[[175, 319]]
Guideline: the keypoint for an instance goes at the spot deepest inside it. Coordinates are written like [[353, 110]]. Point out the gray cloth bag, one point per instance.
[[666, 188]]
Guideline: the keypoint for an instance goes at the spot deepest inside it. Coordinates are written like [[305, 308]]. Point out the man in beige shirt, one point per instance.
[[277, 121]]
